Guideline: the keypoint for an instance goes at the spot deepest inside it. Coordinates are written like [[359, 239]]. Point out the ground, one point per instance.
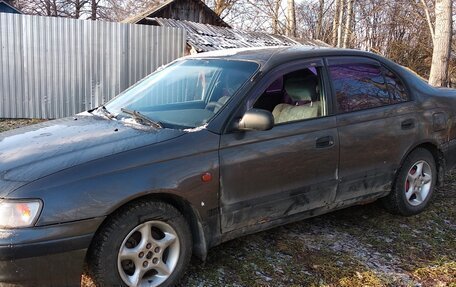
[[12, 124], [358, 246]]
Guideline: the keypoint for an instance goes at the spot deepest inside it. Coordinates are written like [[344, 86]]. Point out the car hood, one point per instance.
[[32, 152]]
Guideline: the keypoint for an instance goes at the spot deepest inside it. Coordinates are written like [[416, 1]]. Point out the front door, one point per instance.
[[267, 175]]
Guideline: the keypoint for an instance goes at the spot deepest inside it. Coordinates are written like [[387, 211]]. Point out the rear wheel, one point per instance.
[[414, 184], [144, 244]]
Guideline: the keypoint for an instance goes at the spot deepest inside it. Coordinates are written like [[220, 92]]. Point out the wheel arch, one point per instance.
[[436, 152], [193, 218], [190, 214]]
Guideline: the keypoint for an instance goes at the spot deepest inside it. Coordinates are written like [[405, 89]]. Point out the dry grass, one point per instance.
[[8, 124], [358, 246]]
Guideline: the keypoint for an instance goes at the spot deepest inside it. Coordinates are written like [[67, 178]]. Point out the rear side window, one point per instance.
[[359, 86], [395, 87]]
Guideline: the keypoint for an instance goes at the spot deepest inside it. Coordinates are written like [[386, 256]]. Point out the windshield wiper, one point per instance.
[[138, 116], [103, 110]]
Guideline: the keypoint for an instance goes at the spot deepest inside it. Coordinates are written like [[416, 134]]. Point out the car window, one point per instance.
[[395, 87], [359, 86], [185, 94], [294, 96]]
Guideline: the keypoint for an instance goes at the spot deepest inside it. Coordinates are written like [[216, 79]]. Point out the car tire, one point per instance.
[[414, 184], [146, 239]]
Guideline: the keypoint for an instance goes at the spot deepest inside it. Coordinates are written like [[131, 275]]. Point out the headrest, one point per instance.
[[302, 88]]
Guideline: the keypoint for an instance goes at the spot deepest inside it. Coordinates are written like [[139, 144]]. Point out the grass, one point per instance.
[[7, 124], [358, 246]]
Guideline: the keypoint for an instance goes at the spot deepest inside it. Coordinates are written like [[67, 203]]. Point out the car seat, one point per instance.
[[304, 94]]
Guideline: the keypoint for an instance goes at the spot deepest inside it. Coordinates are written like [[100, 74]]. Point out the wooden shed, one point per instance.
[[206, 31], [190, 10]]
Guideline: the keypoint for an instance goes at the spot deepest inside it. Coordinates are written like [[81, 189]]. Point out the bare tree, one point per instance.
[[116, 10], [291, 18], [391, 28], [222, 7], [348, 22], [321, 11], [94, 9], [78, 9], [442, 34], [337, 7], [275, 16], [78, 6], [42, 7], [340, 23], [74, 8], [428, 17]]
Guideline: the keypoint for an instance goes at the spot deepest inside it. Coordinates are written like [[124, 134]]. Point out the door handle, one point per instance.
[[324, 142], [408, 124]]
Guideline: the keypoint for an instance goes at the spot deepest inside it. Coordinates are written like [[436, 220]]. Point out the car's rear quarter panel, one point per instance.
[[445, 100]]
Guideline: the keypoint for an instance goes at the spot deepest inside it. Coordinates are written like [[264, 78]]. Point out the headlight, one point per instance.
[[19, 213]]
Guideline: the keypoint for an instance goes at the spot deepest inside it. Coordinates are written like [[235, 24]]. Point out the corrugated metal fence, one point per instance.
[[56, 67]]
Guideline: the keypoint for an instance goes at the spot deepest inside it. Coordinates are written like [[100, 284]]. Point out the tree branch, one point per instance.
[[428, 19]]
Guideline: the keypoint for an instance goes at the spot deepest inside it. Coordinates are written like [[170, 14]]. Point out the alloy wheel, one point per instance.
[[149, 254], [418, 183]]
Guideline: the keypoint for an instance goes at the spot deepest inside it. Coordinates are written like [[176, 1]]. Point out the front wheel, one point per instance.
[[414, 184], [144, 244]]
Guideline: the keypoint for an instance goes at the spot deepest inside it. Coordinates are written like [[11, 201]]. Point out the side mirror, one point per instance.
[[257, 120]]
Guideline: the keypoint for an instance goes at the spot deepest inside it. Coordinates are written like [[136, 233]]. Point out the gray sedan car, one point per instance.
[[210, 148]]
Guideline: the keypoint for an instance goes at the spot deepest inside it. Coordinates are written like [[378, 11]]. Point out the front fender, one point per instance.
[[99, 187]]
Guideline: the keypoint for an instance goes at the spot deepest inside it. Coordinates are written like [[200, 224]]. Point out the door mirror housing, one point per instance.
[[256, 120]]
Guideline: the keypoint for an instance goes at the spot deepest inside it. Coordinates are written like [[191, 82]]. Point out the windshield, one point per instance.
[[186, 94]]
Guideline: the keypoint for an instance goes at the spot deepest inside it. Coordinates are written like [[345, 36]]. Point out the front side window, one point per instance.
[[186, 94], [294, 96], [359, 86]]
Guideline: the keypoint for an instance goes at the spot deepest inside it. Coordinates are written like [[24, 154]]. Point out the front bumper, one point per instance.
[[45, 256]]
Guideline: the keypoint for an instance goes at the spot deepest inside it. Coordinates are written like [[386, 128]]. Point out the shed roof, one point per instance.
[[8, 8], [205, 37], [156, 9]]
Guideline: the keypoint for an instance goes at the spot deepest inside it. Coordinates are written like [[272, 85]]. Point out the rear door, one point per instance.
[[377, 123], [269, 175]]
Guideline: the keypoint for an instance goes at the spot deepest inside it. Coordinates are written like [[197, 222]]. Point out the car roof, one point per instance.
[[270, 56]]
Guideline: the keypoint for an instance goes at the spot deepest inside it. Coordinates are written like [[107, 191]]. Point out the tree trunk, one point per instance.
[[340, 24], [275, 17], [321, 10], [442, 43], [77, 9], [291, 27], [55, 11], [335, 21], [223, 6], [219, 7], [48, 8], [94, 8], [348, 22]]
